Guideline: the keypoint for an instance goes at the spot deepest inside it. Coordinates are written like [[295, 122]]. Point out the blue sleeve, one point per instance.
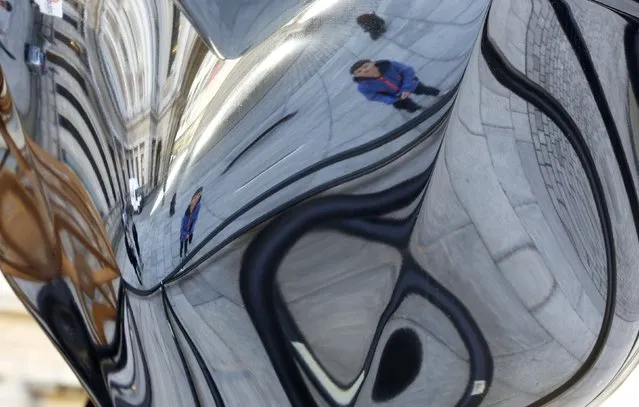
[[408, 73], [374, 96]]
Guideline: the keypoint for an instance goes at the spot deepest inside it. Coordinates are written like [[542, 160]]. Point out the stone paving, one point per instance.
[[208, 301], [562, 173], [508, 224], [325, 121], [509, 191]]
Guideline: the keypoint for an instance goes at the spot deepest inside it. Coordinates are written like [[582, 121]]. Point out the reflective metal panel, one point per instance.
[[328, 202]]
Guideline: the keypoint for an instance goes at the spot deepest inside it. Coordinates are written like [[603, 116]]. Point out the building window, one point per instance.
[[70, 20], [77, 48]]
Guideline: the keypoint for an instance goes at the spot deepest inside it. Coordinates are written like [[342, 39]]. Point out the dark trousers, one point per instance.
[[409, 105], [135, 239], [184, 244]]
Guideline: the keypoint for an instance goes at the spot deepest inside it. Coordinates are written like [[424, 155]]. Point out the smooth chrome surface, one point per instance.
[[326, 203]]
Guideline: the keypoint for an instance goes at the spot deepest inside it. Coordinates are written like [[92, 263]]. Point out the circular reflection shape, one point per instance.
[[399, 365]]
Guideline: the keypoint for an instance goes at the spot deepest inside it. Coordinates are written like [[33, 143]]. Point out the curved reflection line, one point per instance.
[[579, 46], [215, 392], [277, 327], [412, 280], [125, 316], [518, 83], [381, 141], [340, 395], [185, 364], [69, 187], [148, 396], [580, 49], [258, 138], [436, 127]]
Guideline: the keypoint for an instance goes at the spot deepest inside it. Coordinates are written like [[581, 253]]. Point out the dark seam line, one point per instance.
[[314, 191], [630, 38], [148, 396], [4, 159], [264, 133], [250, 110], [350, 153], [517, 82], [621, 13], [67, 125], [185, 365], [64, 92], [579, 46], [262, 259], [69, 68], [215, 392], [578, 43]]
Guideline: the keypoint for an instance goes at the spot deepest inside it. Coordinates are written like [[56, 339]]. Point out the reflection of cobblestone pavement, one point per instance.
[[557, 70], [563, 175], [571, 195], [509, 190]]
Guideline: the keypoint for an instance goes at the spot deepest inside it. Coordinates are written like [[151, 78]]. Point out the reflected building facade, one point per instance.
[[343, 202]]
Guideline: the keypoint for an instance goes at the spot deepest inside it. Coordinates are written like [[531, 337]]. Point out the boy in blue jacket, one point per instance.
[[188, 221], [389, 82]]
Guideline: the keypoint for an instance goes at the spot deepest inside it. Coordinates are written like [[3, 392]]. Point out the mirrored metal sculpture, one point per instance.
[[326, 202]]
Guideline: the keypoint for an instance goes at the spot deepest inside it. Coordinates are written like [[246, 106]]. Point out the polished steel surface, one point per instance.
[[326, 202]]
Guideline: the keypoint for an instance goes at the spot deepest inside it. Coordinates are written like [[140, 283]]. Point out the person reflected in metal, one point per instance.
[[134, 261], [134, 231], [372, 24], [172, 206], [390, 82], [188, 221]]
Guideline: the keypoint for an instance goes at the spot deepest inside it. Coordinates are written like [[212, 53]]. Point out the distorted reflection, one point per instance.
[[390, 82], [188, 221], [397, 202]]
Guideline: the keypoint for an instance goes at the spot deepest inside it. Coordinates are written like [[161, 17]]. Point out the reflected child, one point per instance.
[[390, 82], [188, 221]]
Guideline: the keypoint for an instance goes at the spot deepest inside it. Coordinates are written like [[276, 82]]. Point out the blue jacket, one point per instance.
[[396, 78], [188, 222]]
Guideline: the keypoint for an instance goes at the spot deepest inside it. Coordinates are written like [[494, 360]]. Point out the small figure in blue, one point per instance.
[[390, 82], [188, 221]]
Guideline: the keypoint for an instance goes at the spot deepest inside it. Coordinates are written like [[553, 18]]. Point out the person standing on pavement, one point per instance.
[[188, 221], [137, 245], [131, 254], [389, 82], [172, 206]]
